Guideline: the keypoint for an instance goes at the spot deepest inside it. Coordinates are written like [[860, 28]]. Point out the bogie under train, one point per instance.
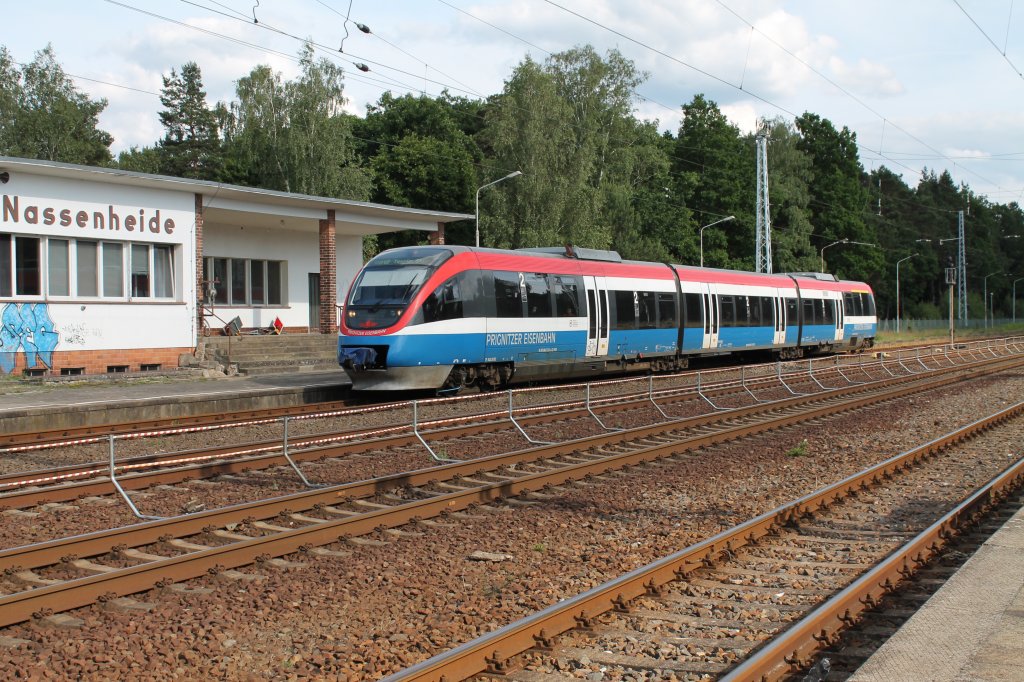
[[448, 317]]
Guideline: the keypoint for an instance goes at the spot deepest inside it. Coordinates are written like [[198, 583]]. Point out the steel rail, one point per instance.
[[264, 455], [122, 581], [187, 422], [790, 653], [491, 653], [210, 419], [46, 485]]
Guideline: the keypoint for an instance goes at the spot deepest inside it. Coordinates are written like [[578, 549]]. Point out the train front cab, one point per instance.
[[861, 321]]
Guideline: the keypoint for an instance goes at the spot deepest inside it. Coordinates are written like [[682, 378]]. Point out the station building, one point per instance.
[[104, 270]]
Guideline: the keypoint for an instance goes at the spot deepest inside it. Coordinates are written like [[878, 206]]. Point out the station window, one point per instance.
[[19, 266], [38, 266], [244, 281], [87, 274], [113, 270], [59, 267]]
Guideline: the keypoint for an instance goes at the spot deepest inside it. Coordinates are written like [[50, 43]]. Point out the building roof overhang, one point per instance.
[[252, 206]]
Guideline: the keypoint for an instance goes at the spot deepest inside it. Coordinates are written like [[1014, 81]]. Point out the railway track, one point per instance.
[[64, 484], [761, 600], [47, 577], [157, 427]]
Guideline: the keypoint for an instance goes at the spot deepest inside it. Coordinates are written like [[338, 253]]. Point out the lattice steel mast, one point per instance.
[[763, 246]]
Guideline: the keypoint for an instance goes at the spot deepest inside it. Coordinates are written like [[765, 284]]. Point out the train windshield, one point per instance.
[[388, 283]]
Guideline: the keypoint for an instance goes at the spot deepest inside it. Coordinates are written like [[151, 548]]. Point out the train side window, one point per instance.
[[756, 317], [856, 306], [666, 311], [538, 295], [445, 303], [694, 316], [727, 310], [808, 311], [624, 313], [592, 317], [507, 300], [647, 309], [829, 308], [792, 312], [869, 304], [566, 288]]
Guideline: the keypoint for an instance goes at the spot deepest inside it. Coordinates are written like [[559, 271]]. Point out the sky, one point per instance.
[[933, 84]]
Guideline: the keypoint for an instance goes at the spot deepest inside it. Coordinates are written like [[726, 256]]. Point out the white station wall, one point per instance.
[[47, 207], [299, 251]]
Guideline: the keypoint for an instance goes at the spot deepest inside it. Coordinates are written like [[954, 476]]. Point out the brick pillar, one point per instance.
[[438, 236], [200, 290], [328, 276]]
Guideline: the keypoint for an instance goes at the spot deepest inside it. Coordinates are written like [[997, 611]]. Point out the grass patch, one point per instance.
[[799, 451]]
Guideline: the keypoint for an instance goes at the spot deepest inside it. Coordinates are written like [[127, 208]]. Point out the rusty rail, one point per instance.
[[491, 653]]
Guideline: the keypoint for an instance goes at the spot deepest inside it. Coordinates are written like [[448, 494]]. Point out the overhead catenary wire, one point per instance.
[[243, 18]]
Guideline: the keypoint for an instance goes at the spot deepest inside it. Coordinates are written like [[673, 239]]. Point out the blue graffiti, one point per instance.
[[26, 328]]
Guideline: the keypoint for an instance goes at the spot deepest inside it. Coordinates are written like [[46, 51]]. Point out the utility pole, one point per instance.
[[961, 266], [763, 245]]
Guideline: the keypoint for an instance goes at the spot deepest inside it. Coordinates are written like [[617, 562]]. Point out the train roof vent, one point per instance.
[[823, 276], [578, 252]]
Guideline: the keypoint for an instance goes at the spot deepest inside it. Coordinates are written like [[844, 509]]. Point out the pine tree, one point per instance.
[[191, 145]]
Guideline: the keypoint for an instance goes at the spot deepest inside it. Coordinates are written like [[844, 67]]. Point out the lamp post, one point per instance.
[[507, 177], [1013, 298], [898, 289], [701, 231], [841, 241], [984, 295]]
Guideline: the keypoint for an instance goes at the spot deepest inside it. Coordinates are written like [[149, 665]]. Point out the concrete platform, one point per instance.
[[972, 629], [31, 407]]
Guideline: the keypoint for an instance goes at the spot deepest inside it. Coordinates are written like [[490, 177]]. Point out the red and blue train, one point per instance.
[[450, 317]]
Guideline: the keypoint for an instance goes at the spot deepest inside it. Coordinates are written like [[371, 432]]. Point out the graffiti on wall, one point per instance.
[[26, 328]]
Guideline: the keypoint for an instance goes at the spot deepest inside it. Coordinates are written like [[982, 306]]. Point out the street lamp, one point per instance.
[[507, 177], [841, 241], [898, 289], [701, 231], [984, 295]]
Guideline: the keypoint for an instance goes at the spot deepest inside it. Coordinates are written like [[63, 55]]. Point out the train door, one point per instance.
[[779, 303], [597, 316], [709, 302], [840, 318]]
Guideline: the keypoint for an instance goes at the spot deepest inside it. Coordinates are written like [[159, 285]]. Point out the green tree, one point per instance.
[[191, 145], [839, 198], [44, 116], [716, 175], [140, 160], [294, 136], [421, 157], [567, 125]]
